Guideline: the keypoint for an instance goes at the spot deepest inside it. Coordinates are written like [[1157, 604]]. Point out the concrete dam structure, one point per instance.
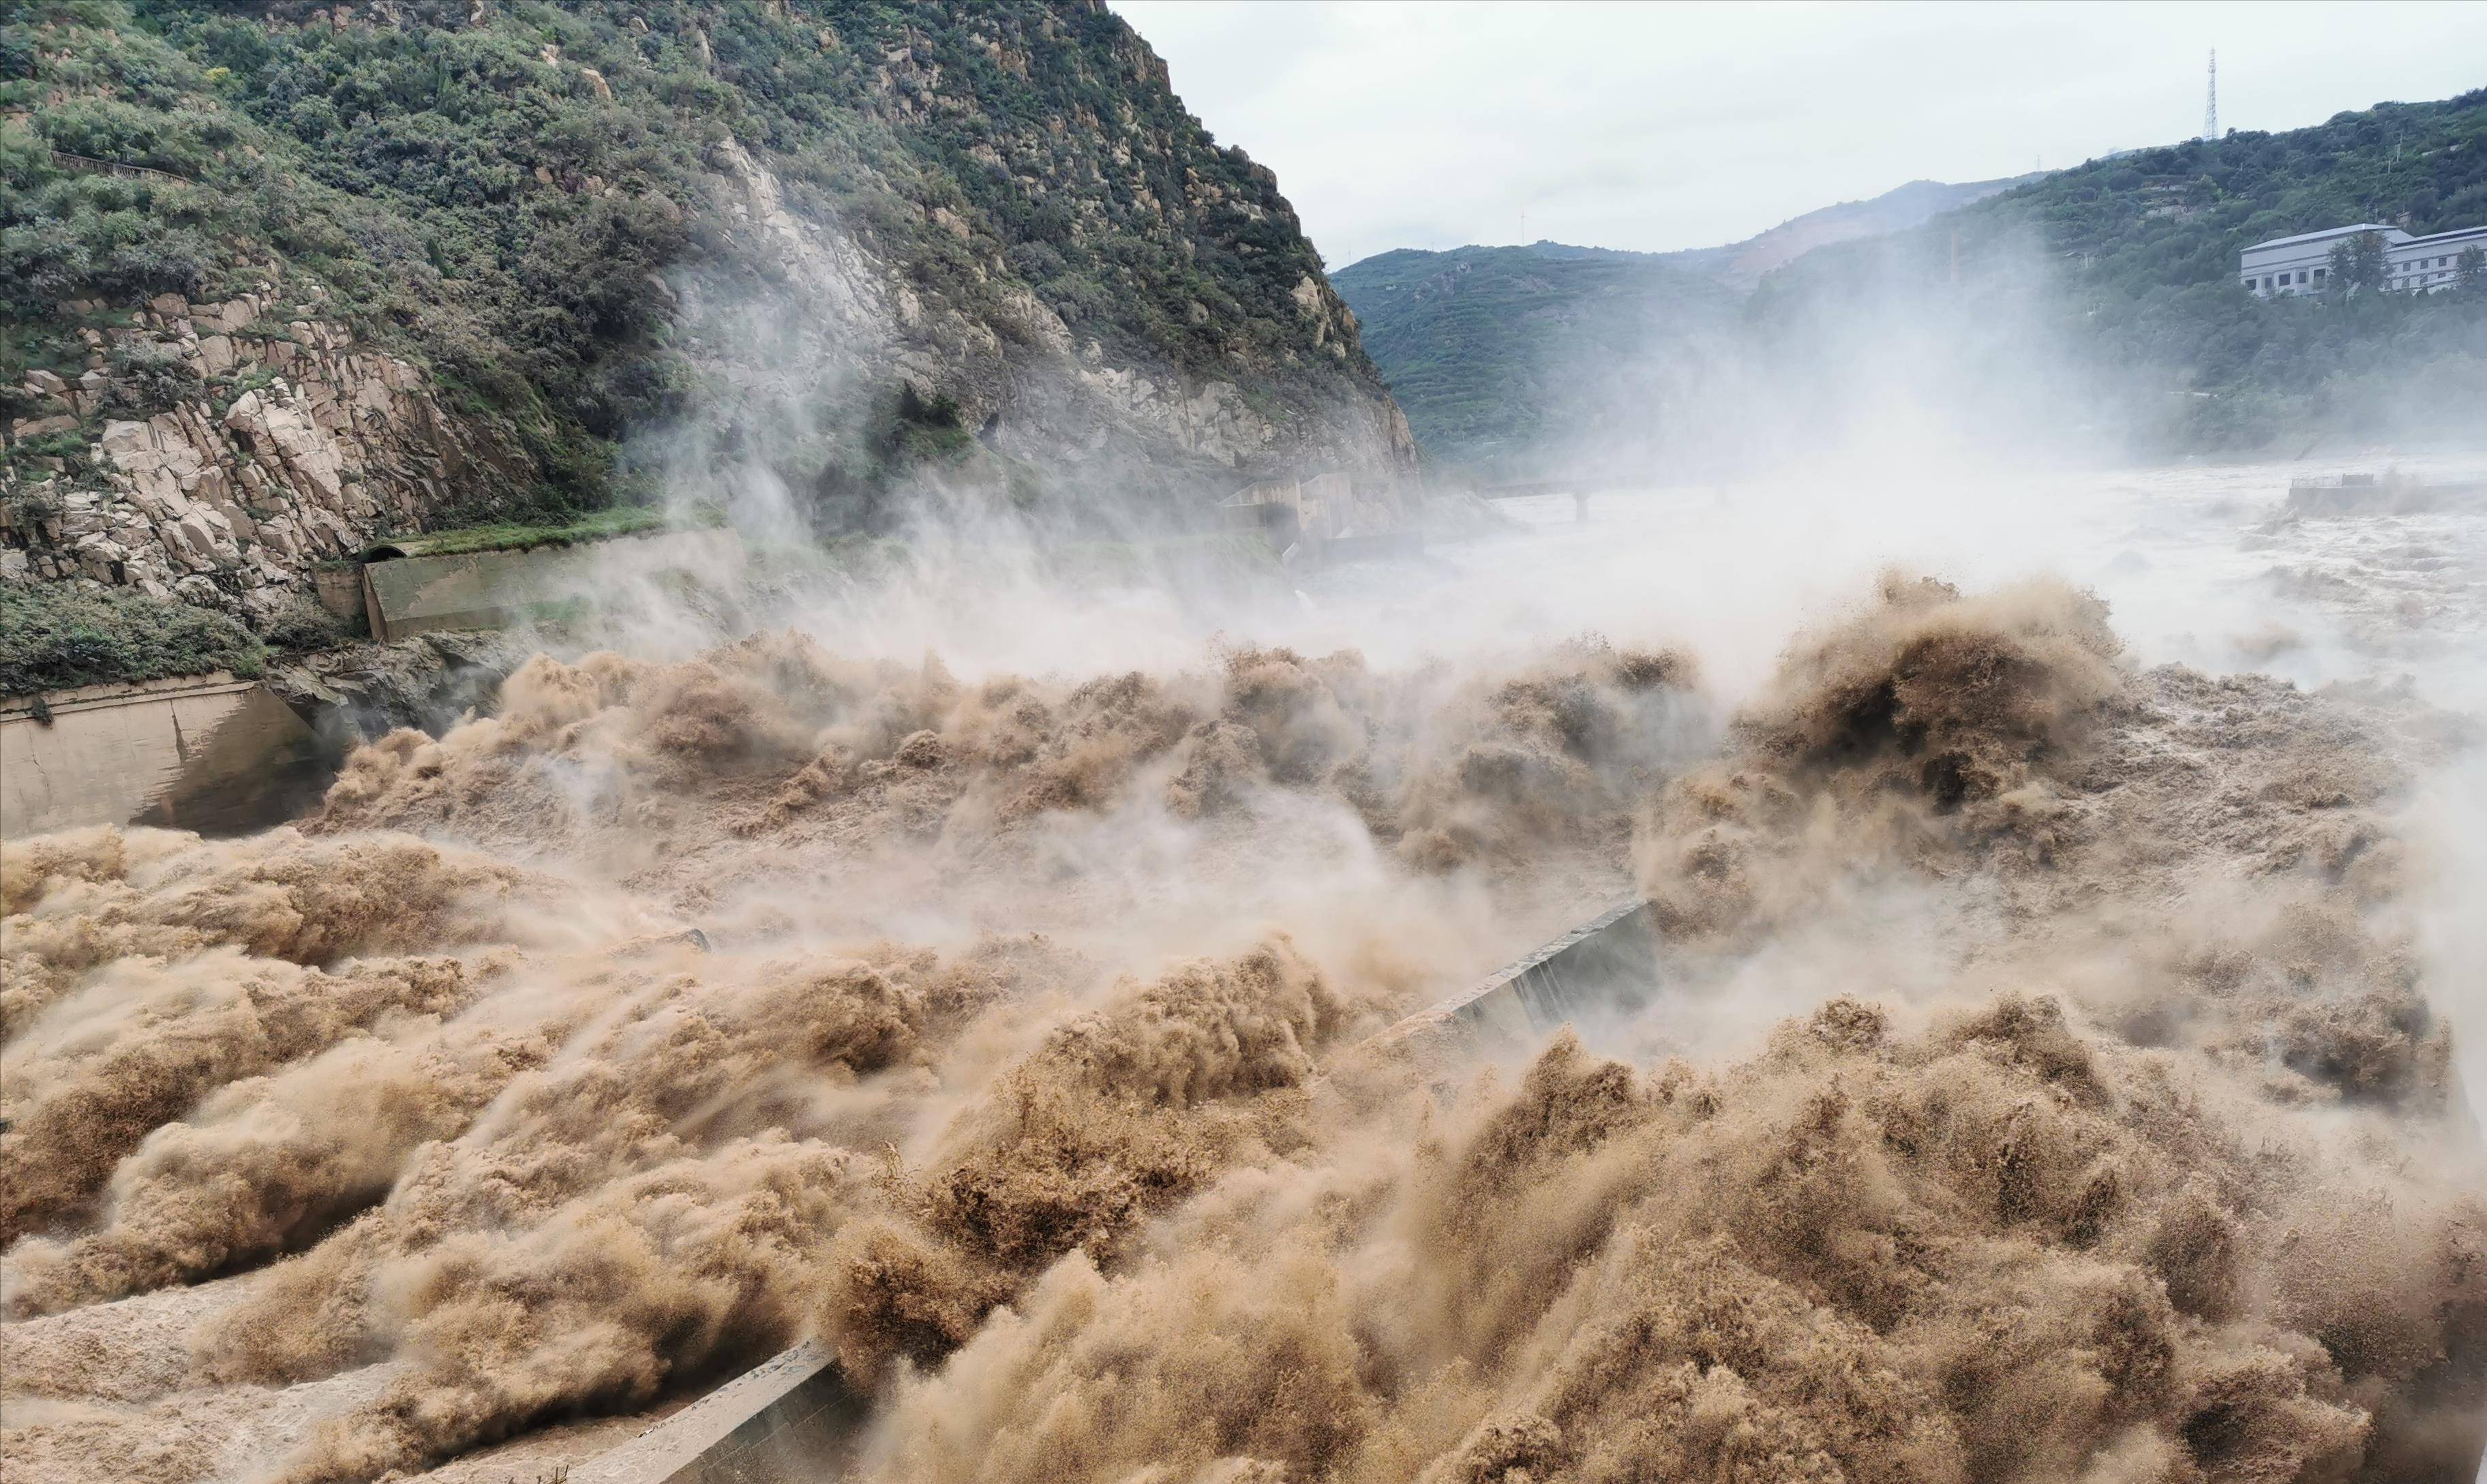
[[1607, 965]]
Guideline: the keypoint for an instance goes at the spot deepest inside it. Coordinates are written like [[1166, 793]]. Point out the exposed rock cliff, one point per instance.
[[297, 449], [281, 278]]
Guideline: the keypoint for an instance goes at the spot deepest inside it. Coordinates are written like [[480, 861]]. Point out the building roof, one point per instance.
[[2453, 235], [2390, 233]]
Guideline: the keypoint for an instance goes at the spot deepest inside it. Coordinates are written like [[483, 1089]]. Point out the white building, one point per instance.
[[2424, 265], [2302, 263]]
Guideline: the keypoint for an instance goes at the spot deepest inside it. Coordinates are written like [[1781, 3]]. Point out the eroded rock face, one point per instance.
[[297, 447], [1044, 393]]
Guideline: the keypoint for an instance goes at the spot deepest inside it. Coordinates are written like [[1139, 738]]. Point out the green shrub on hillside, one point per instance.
[[52, 635], [513, 535]]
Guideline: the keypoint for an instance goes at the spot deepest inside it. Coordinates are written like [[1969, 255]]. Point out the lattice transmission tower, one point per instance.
[[2211, 101]]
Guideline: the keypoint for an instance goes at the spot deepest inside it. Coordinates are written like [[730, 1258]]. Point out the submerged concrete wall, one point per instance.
[[210, 753], [1606, 966], [790, 1421]]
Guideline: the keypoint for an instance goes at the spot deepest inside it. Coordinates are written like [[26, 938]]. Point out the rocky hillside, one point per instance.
[[276, 279]]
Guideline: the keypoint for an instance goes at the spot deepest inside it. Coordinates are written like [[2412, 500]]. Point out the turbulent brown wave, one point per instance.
[[775, 737], [2051, 1217], [2106, 1133], [1979, 1250], [106, 896]]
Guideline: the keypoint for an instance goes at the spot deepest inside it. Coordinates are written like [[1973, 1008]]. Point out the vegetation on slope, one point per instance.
[[500, 190], [516, 536], [53, 635], [1512, 361]]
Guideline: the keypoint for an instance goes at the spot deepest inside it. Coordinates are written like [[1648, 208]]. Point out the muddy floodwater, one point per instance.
[[2073, 1006]]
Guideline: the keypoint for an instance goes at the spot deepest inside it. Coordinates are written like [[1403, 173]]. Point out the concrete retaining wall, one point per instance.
[[210, 753], [412, 595]]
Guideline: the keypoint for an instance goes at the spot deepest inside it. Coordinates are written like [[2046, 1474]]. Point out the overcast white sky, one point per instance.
[[1397, 123]]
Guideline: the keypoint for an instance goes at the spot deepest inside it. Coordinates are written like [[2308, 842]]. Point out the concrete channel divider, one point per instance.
[[1606, 964], [788, 1420], [792, 1420]]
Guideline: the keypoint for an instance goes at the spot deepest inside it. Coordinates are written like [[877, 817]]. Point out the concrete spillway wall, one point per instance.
[[412, 595], [788, 1420], [1606, 966], [211, 753]]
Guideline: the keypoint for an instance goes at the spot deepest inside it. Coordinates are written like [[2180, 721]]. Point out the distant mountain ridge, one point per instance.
[[2098, 309], [1741, 265], [1497, 353]]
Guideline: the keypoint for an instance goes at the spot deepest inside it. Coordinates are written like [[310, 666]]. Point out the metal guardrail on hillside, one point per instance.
[[116, 167]]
